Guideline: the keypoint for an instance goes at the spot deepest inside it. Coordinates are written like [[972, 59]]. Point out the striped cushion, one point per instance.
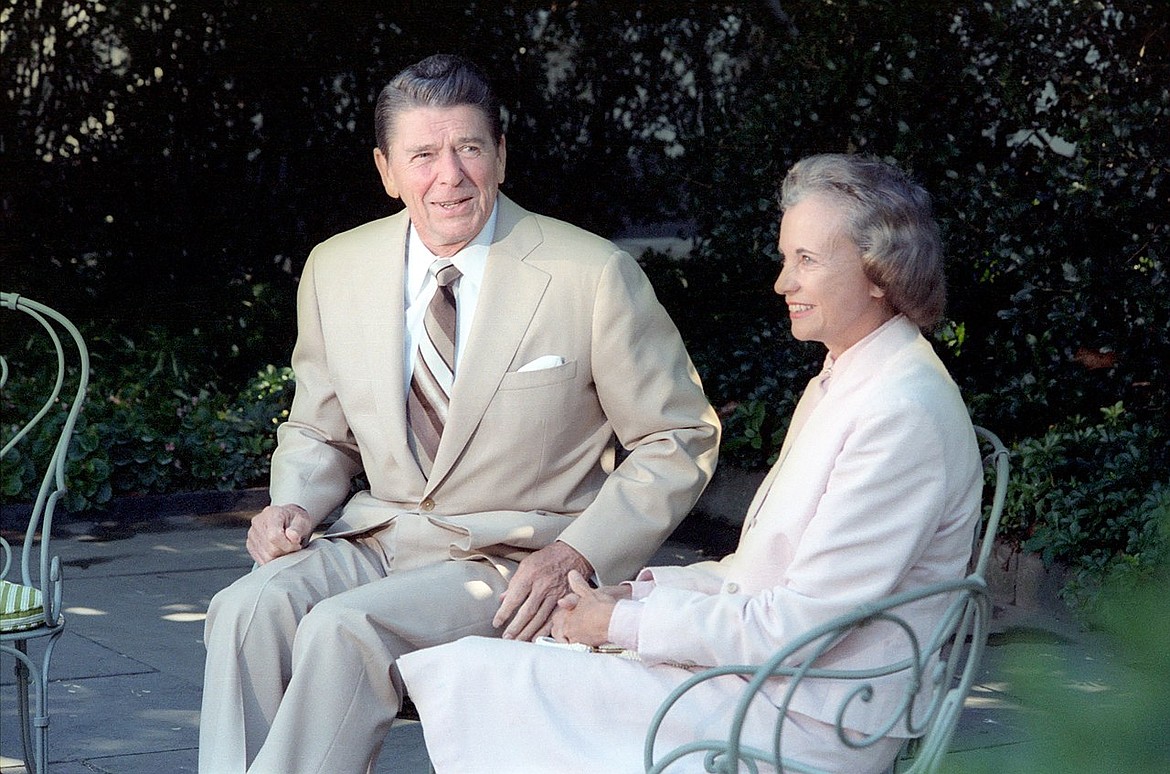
[[20, 607]]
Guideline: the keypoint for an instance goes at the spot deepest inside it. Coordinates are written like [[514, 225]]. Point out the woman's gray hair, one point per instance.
[[889, 219], [441, 81]]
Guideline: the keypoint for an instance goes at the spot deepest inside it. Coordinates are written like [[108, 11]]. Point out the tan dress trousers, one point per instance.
[[300, 651]]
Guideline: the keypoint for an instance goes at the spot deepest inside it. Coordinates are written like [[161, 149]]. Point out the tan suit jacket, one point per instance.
[[527, 456]]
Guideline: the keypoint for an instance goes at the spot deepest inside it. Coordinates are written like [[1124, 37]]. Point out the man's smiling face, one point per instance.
[[447, 170]]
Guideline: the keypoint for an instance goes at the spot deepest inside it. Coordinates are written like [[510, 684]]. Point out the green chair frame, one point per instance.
[[947, 660], [38, 568]]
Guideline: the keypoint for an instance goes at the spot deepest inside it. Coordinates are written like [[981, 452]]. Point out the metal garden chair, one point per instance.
[[946, 660], [30, 600]]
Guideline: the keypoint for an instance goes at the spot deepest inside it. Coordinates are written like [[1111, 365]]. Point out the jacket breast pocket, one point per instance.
[[543, 377]]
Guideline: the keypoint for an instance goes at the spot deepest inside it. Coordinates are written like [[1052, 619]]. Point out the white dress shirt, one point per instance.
[[420, 285]]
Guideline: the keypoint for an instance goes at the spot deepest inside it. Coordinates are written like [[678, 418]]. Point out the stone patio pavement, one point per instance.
[[128, 670]]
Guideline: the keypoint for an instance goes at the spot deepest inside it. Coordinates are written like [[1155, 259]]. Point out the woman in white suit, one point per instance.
[[875, 492]]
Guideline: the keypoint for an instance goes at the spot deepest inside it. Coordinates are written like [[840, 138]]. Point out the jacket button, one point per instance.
[[732, 588], [427, 504]]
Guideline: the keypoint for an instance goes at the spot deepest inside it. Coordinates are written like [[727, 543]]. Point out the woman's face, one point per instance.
[[829, 298]]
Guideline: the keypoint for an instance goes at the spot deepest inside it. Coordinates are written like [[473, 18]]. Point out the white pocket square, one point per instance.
[[543, 362]]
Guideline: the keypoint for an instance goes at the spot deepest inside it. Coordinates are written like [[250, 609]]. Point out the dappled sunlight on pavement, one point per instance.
[[128, 672]]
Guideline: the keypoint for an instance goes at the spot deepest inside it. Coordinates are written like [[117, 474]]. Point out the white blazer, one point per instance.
[[877, 493]]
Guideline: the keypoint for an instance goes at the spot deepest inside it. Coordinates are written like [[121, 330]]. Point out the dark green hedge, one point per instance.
[[169, 165]]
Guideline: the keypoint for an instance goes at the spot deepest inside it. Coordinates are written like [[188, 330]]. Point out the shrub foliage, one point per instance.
[[162, 188]]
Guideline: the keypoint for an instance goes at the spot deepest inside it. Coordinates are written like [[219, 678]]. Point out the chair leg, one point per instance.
[[32, 709], [23, 676], [41, 719]]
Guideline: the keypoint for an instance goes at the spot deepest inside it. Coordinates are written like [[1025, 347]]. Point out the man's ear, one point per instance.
[[383, 165], [501, 160]]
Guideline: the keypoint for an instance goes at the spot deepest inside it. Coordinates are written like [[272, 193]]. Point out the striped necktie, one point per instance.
[[434, 368]]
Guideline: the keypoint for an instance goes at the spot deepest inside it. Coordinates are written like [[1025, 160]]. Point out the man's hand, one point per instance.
[[540, 580], [583, 614], [278, 530]]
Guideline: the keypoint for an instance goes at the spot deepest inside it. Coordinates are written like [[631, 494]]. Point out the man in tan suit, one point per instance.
[[560, 347]]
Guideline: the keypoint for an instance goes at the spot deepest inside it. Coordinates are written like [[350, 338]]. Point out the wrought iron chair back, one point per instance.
[[946, 662], [33, 593]]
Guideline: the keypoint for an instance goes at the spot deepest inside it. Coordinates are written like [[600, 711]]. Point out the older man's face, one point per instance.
[[447, 170]]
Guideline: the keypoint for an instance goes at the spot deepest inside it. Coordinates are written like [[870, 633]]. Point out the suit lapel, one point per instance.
[[510, 295], [876, 353], [382, 288], [804, 410]]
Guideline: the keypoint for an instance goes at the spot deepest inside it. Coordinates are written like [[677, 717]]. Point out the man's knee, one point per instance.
[[338, 623], [225, 606], [250, 599], [417, 608], [335, 612]]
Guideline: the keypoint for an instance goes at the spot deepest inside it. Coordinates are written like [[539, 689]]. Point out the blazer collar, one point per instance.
[[511, 292], [855, 367], [872, 353], [381, 281]]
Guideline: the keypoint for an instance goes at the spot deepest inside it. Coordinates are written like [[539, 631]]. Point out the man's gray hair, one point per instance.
[[441, 81]]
